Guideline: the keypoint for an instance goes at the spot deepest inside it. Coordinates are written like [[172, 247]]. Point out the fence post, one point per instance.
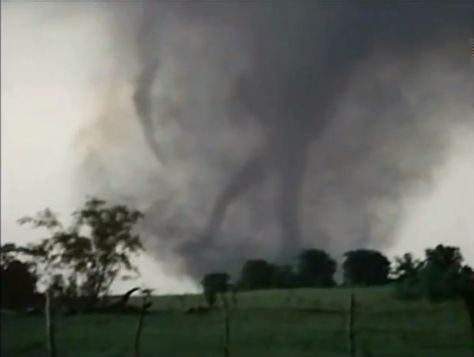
[[350, 325], [468, 298], [50, 331], [145, 305], [227, 330]]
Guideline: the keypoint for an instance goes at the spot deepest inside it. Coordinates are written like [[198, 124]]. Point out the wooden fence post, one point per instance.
[[468, 298], [145, 306], [350, 325], [50, 328], [227, 330]]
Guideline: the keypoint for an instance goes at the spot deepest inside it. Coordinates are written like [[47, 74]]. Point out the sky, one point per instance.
[[56, 65], [48, 96]]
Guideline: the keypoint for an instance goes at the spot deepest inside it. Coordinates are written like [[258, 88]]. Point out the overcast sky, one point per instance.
[[51, 79]]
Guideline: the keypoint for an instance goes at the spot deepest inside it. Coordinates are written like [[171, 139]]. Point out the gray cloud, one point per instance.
[[277, 126]]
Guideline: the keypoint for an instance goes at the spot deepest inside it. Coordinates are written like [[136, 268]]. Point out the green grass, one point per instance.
[[286, 323]]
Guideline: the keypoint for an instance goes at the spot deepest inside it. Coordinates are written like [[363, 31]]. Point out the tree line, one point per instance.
[[78, 263], [439, 276]]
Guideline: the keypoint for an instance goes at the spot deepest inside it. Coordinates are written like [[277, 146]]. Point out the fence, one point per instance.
[[299, 324]]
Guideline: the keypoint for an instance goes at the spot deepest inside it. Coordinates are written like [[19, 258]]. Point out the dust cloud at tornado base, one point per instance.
[[252, 130]]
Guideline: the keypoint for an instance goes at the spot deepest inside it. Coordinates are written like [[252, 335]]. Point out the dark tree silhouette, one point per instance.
[[406, 267], [444, 256], [440, 276], [256, 274], [316, 268], [443, 275], [18, 286], [283, 277], [467, 293], [85, 258], [213, 284], [8, 252], [365, 267]]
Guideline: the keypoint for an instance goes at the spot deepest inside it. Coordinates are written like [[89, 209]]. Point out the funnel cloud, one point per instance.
[[275, 126]]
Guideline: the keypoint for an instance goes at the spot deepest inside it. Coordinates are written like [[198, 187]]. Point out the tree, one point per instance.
[[365, 267], [441, 276], [444, 277], [467, 292], [444, 256], [406, 267], [256, 274], [213, 284], [406, 274], [111, 241], [283, 277], [88, 256], [18, 285], [7, 254], [316, 268], [466, 279]]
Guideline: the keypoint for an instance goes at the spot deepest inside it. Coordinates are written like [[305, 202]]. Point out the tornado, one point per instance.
[[292, 125]]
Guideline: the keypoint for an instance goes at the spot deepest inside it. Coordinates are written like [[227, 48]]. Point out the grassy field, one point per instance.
[[285, 323]]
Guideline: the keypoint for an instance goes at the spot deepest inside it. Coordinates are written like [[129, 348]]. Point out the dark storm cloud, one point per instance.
[[289, 124]]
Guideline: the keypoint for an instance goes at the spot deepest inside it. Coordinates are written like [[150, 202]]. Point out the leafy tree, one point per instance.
[[444, 256], [213, 284], [316, 268], [88, 256], [111, 241], [406, 267], [18, 285], [365, 267], [216, 281], [466, 279], [256, 274], [441, 277], [406, 273], [8, 253], [467, 293], [283, 277], [445, 277]]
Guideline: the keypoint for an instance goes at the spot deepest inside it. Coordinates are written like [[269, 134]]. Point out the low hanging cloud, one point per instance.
[[248, 130]]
